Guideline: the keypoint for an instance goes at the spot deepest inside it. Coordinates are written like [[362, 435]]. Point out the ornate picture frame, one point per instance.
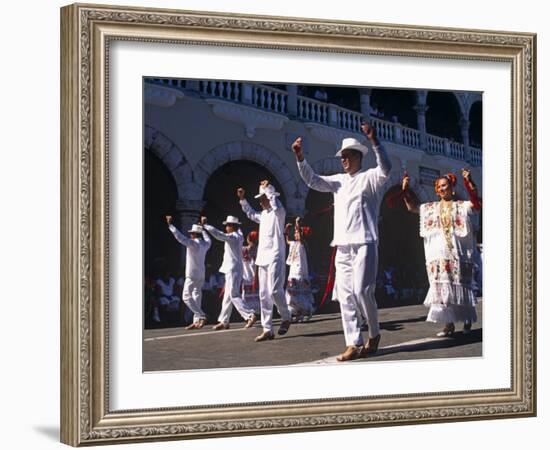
[[87, 32]]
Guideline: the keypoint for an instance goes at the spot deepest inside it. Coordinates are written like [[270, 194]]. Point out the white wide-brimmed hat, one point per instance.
[[195, 229], [231, 220], [352, 144], [268, 191]]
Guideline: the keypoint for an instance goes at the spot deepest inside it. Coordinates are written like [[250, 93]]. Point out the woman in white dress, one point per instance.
[[449, 247], [299, 297]]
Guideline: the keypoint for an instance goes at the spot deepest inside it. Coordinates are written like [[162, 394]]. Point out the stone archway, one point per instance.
[[238, 150], [171, 156], [444, 115], [401, 252]]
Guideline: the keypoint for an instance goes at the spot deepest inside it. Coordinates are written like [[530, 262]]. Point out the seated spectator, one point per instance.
[[320, 94], [166, 294]]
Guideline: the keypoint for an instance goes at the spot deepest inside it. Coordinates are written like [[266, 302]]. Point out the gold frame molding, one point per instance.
[[86, 31]]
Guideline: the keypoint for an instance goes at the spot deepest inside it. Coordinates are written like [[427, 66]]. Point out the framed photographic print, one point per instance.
[[258, 213]]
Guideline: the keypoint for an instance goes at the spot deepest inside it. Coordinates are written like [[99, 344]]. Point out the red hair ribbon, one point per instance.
[[253, 235], [452, 178]]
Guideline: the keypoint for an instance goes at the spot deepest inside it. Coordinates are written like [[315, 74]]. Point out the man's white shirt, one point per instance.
[[196, 253], [232, 248], [271, 240], [357, 201]]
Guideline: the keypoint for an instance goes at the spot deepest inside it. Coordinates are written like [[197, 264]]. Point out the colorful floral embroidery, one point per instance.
[[430, 218], [450, 271]]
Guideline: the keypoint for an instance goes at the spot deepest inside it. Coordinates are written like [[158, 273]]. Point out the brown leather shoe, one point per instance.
[[201, 323], [265, 336], [221, 326], [251, 321], [371, 347], [447, 331], [192, 326], [352, 352], [285, 325]]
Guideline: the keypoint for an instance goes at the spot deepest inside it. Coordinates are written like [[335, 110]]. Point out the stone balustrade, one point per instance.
[[271, 99]]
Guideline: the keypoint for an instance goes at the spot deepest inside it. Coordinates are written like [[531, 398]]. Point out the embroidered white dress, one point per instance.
[[250, 280], [298, 289], [449, 252]]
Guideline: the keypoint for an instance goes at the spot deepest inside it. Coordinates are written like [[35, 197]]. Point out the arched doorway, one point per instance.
[[320, 217], [401, 254], [161, 251], [398, 103], [476, 117], [443, 116], [220, 200]]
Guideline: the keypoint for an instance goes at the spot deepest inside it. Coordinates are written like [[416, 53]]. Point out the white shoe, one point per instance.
[[156, 317]]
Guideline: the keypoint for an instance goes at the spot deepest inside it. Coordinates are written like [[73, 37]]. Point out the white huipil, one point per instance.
[[357, 199], [194, 270], [450, 268], [250, 291], [298, 291], [232, 267], [270, 259]]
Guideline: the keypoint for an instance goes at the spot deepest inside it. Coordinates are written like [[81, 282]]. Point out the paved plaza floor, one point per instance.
[[405, 335]]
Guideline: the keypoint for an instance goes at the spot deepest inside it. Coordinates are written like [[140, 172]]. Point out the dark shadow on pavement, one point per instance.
[[458, 339], [396, 325], [310, 335]]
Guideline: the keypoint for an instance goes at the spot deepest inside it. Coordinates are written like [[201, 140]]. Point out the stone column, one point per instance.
[[421, 110], [465, 131], [292, 104], [193, 85], [247, 94], [365, 102]]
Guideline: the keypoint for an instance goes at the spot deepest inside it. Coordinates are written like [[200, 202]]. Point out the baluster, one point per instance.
[[283, 103], [276, 101]]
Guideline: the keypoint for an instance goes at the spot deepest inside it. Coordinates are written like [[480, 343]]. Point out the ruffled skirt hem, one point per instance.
[[452, 313]]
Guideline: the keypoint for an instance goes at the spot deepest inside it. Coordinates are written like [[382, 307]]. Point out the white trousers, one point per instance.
[[271, 280], [232, 296], [356, 267], [192, 297]]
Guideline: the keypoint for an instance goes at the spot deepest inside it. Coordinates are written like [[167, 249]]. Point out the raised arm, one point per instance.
[[314, 181], [410, 203], [471, 188], [382, 159], [269, 192], [220, 235], [250, 212], [180, 237]]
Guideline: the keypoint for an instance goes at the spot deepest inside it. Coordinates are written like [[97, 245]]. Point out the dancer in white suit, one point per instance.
[[357, 198], [197, 245], [270, 258], [232, 267]]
